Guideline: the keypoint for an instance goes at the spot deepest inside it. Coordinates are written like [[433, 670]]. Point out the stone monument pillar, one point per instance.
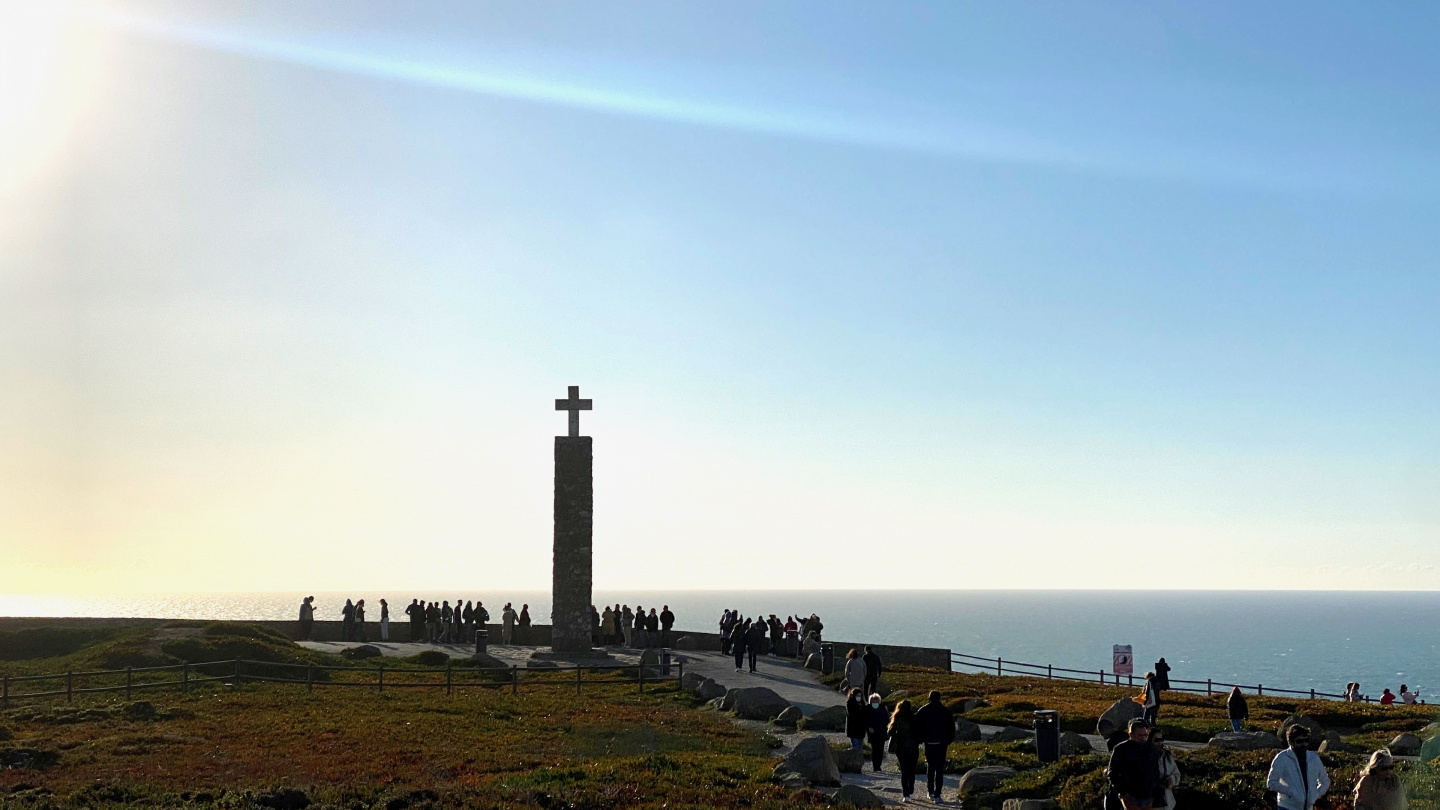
[[574, 505]]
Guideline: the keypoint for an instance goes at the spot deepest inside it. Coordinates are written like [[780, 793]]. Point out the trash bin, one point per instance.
[[665, 662], [827, 658], [1047, 735], [482, 638]]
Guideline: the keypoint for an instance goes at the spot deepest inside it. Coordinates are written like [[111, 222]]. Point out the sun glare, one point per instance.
[[46, 61]]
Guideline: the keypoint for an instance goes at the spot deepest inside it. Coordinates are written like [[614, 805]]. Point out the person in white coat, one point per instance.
[[1169, 771], [1297, 775]]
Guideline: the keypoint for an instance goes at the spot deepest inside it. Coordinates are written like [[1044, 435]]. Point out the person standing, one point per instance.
[[935, 726], [755, 641], [594, 626], [667, 622], [725, 627], [854, 672], [416, 612], [737, 644], [508, 618], [360, 621], [467, 622], [652, 628], [482, 616], [523, 623], [627, 629], [857, 717], [637, 630], [347, 621], [1162, 674], [1150, 698], [1169, 772], [1378, 787], [384, 620], [792, 638], [873, 668], [446, 616], [605, 624], [1238, 709], [432, 623], [877, 726], [1134, 771], [307, 618], [905, 746], [1297, 776], [777, 635]]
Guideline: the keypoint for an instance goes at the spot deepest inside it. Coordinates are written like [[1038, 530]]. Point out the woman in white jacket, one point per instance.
[[1169, 771], [1297, 788]]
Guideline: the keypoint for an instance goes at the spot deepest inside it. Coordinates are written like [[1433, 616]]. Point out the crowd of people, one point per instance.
[[903, 732], [749, 638], [621, 626]]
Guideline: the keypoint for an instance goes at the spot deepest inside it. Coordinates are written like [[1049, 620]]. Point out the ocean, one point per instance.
[[1288, 639]]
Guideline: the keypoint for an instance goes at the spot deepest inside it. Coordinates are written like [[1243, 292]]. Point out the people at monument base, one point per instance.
[[432, 623], [416, 612], [595, 626]]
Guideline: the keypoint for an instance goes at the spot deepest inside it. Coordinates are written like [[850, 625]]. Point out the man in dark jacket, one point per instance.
[[1134, 771], [935, 727], [755, 640], [667, 621], [416, 612], [872, 670], [737, 644]]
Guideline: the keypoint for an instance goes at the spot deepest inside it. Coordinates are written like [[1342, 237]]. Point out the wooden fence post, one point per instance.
[[447, 677], [1050, 671], [1209, 688], [69, 685], [1102, 677], [185, 678], [999, 666], [1259, 688], [309, 677], [235, 682], [382, 677], [578, 670], [514, 680], [1312, 694], [129, 672]]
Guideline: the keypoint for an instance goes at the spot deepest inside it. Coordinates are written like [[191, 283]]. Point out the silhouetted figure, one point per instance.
[[652, 629], [595, 626], [432, 623], [307, 618], [873, 668], [638, 629], [347, 621], [737, 644], [935, 726], [905, 746], [416, 612], [508, 618], [667, 621], [360, 621], [876, 728], [384, 620], [755, 633], [1162, 675]]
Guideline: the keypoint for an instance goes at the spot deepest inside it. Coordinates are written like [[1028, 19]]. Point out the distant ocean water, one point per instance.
[[1289, 639]]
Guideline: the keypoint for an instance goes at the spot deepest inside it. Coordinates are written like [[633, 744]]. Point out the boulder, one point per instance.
[[855, 796], [1429, 729], [966, 731], [139, 710], [710, 690], [755, 703], [686, 643], [1074, 745], [1244, 741], [1028, 804], [813, 661], [984, 778], [691, 681], [813, 760], [650, 661], [971, 704], [1006, 734], [850, 761], [790, 717], [362, 652], [1118, 716], [1317, 733], [1336, 747], [831, 718], [1430, 749], [789, 779], [1405, 745]]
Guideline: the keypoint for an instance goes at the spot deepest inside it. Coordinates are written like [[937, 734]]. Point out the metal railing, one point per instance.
[[1207, 686], [234, 674]]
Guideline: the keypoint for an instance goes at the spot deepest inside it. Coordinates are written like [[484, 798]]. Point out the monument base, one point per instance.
[[574, 657]]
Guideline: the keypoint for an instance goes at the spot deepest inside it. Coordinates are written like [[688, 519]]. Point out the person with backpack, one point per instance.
[[905, 746], [935, 726], [1297, 776]]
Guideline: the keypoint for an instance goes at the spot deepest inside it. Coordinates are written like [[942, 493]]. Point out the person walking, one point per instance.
[[360, 621], [1150, 699], [1297, 776], [854, 672], [1134, 772], [857, 718], [508, 618], [877, 727], [667, 621], [307, 618], [384, 620], [737, 645], [347, 621], [755, 641], [523, 624], [1238, 709], [905, 746], [873, 668], [1378, 787], [1162, 674], [935, 726], [1168, 770]]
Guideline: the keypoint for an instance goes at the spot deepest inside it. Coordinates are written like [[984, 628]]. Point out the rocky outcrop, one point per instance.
[[966, 731], [855, 796], [813, 761], [984, 778], [691, 681], [790, 717], [1405, 745], [1074, 745], [850, 760], [831, 718], [1118, 716], [1244, 741], [755, 703]]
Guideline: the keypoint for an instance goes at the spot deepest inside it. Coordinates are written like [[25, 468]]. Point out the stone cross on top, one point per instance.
[[574, 404]]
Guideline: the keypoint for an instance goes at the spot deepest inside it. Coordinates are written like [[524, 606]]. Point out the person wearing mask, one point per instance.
[[1134, 772], [360, 621], [854, 671], [1150, 698], [857, 717], [1379, 788], [523, 625], [1169, 777], [792, 637], [905, 746], [1407, 697], [1387, 698], [667, 622], [873, 668], [1238, 709], [877, 726], [508, 618], [935, 726], [384, 620], [307, 618], [347, 621], [1297, 776], [737, 644], [1162, 675]]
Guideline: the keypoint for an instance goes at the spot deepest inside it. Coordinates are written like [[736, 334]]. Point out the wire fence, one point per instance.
[[1207, 686], [232, 674]]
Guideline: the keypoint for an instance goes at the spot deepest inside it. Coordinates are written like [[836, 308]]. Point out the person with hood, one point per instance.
[[737, 643], [1297, 776], [1169, 771], [595, 630], [508, 617], [307, 618], [792, 637], [1162, 674], [1379, 788], [935, 726], [905, 746], [347, 621], [1134, 772], [755, 640], [873, 667], [857, 717], [854, 672], [1238, 709], [877, 726], [360, 621], [1150, 699], [523, 625]]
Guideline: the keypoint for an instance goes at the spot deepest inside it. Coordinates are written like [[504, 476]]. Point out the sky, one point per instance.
[[903, 295]]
